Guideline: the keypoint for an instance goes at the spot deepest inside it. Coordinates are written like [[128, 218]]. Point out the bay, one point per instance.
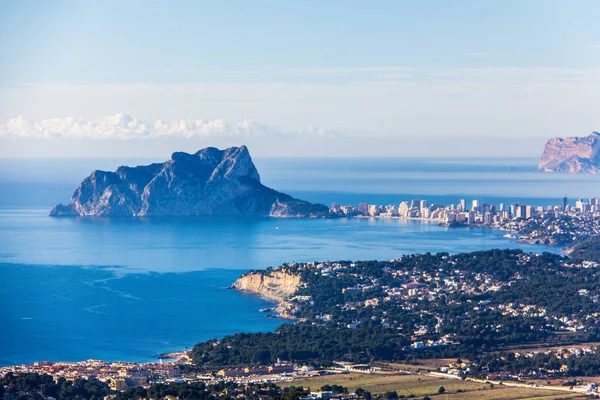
[[130, 288]]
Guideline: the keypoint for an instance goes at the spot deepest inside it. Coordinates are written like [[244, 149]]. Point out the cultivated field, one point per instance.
[[421, 385]]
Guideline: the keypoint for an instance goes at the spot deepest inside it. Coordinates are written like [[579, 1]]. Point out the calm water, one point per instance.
[[129, 289]]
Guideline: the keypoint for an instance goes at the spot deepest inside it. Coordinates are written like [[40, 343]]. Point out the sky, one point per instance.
[[296, 78]]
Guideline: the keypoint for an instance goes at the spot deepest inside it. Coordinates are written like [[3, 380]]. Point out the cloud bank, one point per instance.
[[123, 126]]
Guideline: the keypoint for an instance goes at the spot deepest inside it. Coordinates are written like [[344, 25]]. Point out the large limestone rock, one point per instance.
[[273, 285], [573, 154], [209, 182]]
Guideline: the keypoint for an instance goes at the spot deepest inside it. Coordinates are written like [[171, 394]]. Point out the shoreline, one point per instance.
[[273, 300], [439, 222]]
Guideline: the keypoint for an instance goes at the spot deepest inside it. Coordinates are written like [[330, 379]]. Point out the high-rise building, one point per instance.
[[540, 210], [475, 204], [423, 205], [363, 208], [487, 218], [374, 210], [565, 203], [472, 217], [425, 212], [462, 205], [528, 212], [403, 209], [513, 209]]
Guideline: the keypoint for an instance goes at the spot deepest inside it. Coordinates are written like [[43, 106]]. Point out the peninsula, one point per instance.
[[208, 182], [572, 154]]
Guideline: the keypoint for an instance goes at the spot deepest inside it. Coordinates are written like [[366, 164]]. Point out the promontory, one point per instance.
[[208, 182], [278, 285], [572, 154]]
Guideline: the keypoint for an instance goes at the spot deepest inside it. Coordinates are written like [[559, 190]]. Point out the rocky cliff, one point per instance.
[[573, 154], [209, 182], [274, 285], [278, 286]]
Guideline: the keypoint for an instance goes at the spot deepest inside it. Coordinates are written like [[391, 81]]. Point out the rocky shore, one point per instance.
[[276, 286]]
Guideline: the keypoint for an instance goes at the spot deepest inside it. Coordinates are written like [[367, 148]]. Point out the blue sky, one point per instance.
[[365, 78]]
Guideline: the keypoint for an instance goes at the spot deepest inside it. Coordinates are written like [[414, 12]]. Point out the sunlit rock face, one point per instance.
[[573, 154]]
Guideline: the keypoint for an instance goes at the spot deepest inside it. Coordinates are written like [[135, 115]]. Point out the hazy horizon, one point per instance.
[[73, 170], [141, 79]]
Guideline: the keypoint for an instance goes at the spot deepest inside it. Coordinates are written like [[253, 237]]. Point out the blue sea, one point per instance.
[[130, 289]]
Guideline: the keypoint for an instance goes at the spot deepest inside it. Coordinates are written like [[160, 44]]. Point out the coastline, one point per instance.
[[516, 237], [272, 300], [276, 287]]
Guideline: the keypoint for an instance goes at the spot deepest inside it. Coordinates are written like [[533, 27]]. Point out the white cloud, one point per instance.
[[123, 126]]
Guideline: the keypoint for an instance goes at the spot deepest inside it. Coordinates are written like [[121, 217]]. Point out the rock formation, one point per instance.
[[573, 154], [209, 182], [278, 286], [275, 285]]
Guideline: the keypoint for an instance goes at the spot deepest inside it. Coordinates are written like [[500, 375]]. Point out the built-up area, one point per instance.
[[553, 224]]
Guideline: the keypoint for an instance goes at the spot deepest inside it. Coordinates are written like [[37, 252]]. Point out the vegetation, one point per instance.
[[35, 386], [586, 250], [540, 364], [302, 342], [465, 304], [201, 391]]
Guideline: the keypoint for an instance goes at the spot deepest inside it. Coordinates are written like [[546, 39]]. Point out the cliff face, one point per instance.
[[572, 154], [276, 285], [209, 182]]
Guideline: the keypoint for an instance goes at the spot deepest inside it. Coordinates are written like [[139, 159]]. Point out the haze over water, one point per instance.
[[128, 289]]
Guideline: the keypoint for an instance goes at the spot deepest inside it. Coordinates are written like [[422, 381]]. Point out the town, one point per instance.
[[499, 311], [126, 378], [441, 279], [554, 224]]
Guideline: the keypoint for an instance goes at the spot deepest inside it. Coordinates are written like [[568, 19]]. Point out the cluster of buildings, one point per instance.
[[445, 283], [119, 375], [328, 395], [557, 226], [468, 369], [123, 375], [584, 216], [280, 368]]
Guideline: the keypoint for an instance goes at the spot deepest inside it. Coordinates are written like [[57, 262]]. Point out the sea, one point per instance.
[[132, 288]]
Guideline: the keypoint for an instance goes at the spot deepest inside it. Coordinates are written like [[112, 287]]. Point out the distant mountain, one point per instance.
[[209, 182], [573, 154]]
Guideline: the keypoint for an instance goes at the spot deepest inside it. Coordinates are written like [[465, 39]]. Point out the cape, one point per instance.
[[208, 182], [572, 154]]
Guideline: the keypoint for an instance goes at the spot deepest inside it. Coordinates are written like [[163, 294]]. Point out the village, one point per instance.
[[410, 288]]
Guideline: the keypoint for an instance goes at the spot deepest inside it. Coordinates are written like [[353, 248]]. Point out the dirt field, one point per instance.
[[420, 385]]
